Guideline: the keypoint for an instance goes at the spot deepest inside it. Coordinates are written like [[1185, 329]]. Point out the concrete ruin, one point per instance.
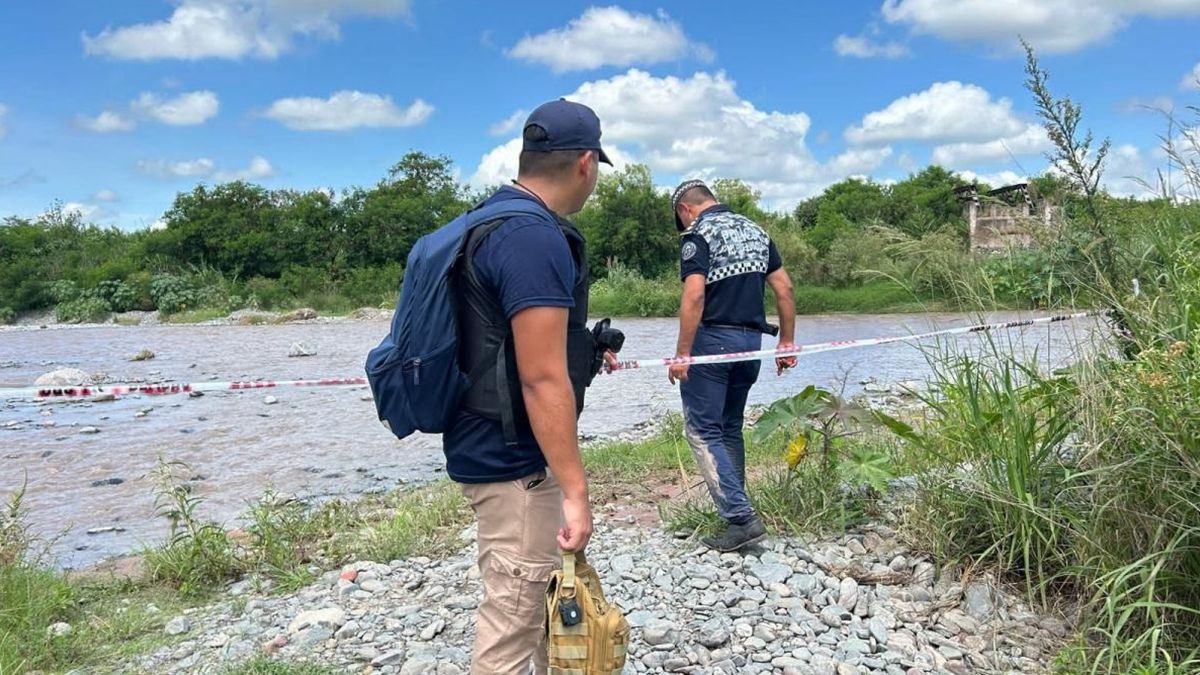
[[1005, 217]]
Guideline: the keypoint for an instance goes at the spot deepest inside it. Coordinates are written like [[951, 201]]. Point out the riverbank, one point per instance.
[[88, 462], [386, 583], [621, 298]]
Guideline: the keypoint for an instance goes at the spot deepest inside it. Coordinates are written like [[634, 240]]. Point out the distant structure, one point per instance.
[[1001, 219]]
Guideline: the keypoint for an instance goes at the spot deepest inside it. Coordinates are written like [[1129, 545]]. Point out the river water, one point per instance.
[[326, 441]]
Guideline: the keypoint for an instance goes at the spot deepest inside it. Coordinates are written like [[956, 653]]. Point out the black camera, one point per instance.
[[605, 338]]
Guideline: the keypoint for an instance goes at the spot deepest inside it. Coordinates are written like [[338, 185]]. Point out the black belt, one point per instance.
[[767, 328]]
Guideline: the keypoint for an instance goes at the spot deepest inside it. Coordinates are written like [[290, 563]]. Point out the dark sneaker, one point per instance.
[[736, 537]]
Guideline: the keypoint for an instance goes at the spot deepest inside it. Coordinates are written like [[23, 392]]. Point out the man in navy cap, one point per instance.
[[726, 261], [513, 445]]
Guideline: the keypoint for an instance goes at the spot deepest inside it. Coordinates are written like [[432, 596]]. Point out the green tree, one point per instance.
[[418, 196], [740, 197], [233, 227], [628, 220], [925, 202]]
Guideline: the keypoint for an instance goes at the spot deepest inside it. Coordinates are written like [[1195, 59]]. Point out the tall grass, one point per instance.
[[1085, 481]]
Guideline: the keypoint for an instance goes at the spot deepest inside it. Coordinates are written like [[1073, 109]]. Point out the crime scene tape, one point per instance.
[[838, 345], [43, 392]]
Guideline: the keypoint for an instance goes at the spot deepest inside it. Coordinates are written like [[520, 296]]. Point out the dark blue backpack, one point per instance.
[[414, 373]]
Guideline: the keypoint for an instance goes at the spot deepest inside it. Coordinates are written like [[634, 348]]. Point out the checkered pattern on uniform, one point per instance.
[[736, 245]]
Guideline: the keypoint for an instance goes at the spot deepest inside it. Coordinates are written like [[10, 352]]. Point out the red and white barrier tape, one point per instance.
[[838, 345], [797, 350], [170, 388]]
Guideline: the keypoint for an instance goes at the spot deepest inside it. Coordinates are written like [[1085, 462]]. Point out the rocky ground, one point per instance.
[[862, 604]]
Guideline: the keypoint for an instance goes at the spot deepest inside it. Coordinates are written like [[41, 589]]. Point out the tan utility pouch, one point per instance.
[[587, 635]]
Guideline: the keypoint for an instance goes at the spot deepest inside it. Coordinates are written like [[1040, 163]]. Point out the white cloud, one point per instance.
[[700, 126], [1156, 104], [106, 122], [204, 167], [1128, 173], [157, 226], [3, 112], [188, 109], [233, 29], [105, 196], [945, 112], [183, 169], [84, 211], [346, 110], [1192, 79], [866, 48], [1033, 140], [259, 168], [994, 180], [508, 125], [609, 36], [1049, 25]]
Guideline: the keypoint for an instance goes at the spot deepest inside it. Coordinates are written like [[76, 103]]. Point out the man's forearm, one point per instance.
[[690, 312], [551, 408], [786, 306]]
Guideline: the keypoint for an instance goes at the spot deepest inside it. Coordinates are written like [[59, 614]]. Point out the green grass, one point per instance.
[[875, 297], [110, 621], [195, 315], [425, 521]]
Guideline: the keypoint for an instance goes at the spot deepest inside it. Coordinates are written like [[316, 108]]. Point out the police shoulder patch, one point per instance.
[[689, 250]]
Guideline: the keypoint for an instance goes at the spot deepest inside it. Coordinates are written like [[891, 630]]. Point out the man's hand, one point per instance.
[[782, 363], [577, 529], [678, 373]]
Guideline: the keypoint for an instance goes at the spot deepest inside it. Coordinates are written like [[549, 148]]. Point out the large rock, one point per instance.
[[299, 349], [65, 377], [713, 634], [978, 601], [848, 593], [659, 632], [389, 659], [329, 617], [771, 573], [303, 314], [178, 626]]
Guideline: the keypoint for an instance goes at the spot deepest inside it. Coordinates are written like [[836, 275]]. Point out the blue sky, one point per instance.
[[113, 107]]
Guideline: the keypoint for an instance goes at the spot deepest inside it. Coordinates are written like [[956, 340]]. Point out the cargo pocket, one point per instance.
[[517, 585]]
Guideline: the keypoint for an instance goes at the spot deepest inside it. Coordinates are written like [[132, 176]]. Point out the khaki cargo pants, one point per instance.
[[518, 549]]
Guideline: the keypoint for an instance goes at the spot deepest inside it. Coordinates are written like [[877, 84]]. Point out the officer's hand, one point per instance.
[[610, 361], [677, 373], [577, 528], [782, 363]]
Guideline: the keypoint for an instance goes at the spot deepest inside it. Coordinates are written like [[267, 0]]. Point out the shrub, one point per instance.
[[8, 315], [624, 292], [373, 286], [83, 310], [852, 255], [172, 293]]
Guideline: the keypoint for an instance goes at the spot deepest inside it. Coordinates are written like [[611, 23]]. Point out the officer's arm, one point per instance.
[[539, 336], [691, 308], [785, 302]]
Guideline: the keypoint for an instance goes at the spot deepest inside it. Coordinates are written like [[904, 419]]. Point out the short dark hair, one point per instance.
[[697, 195], [551, 164]]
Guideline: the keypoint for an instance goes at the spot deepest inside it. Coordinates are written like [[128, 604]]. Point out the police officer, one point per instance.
[[726, 261], [513, 445]]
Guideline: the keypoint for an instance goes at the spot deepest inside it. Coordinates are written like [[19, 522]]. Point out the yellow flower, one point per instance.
[[796, 451]]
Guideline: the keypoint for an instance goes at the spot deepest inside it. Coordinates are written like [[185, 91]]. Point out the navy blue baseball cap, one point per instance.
[[568, 126]]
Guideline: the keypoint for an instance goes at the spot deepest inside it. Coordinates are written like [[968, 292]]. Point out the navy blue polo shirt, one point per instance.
[[735, 256], [525, 262]]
